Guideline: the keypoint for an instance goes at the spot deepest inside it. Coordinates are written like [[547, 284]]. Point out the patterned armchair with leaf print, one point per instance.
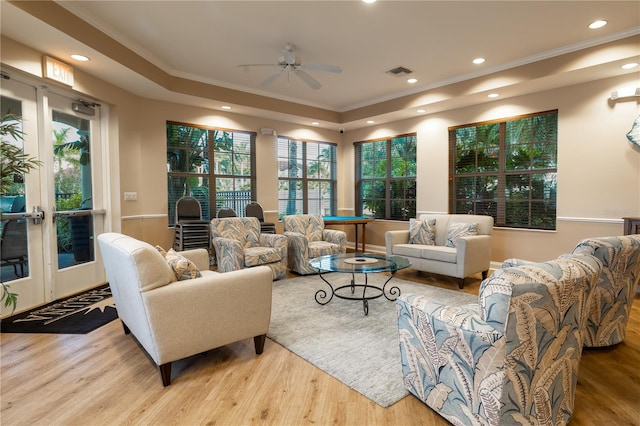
[[307, 238], [611, 305], [238, 244], [511, 359]]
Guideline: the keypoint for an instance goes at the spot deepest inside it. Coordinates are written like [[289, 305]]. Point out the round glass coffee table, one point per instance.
[[358, 263]]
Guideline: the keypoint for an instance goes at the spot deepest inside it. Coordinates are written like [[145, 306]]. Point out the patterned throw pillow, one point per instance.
[[422, 232], [459, 230], [182, 267]]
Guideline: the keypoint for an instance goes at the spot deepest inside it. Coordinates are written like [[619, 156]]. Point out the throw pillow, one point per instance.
[[162, 251], [422, 232], [182, 267], [459, 230]]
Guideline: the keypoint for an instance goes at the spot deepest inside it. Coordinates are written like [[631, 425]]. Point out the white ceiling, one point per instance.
[[206, 40]]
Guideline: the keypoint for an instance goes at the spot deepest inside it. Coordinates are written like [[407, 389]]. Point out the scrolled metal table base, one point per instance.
[[391, 293]]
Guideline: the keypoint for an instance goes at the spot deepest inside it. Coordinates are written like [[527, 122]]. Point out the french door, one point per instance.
[[51, 215]]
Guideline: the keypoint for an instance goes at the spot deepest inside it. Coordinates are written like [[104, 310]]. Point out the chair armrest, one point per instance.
[[392, 238], [277, 241], [192, 316], [297, 240], [273, 240], [229, 254], [473, 254], [200, 257], [335, 236]]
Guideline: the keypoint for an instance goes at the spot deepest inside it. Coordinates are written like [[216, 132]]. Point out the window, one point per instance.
[[506, 169], [306, 177], [199, 156], [386, 178]]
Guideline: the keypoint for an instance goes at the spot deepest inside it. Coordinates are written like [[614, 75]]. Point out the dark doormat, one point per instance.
[[79, 314]]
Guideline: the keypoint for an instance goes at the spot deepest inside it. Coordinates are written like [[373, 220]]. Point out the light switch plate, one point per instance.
[[130, 196]]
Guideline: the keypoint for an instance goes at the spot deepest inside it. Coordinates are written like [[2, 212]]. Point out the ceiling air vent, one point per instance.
[[399, 71]]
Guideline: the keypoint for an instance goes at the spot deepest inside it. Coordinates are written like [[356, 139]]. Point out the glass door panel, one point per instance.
[[73, 189], [22, 268]]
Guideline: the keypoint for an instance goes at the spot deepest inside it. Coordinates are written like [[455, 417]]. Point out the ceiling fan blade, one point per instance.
[[271, 78], [246, 66], [312, 82], [321, 67]]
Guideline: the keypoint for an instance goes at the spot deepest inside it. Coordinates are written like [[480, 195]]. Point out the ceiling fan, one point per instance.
[[289, 64]]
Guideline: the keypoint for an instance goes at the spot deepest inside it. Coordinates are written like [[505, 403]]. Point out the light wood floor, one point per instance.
[[103, 378]]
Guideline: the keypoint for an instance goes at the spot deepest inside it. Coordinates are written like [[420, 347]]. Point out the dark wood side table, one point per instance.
[[631, 225]]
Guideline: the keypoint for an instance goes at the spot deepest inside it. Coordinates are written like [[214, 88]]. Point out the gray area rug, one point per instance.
[[360, 351]]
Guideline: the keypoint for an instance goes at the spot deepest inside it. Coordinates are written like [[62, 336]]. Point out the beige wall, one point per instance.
[[598, 169]]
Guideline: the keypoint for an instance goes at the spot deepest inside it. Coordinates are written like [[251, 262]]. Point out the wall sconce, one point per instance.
[[625, 93]]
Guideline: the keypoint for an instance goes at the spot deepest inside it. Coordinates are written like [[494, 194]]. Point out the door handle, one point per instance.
[[36, 215]]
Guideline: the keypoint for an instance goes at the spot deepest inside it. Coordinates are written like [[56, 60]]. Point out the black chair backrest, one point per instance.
[[188, 208], [226, 213], [254, 210]]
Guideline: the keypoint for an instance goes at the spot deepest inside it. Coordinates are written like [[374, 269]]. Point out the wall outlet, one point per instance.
[[130, 196]]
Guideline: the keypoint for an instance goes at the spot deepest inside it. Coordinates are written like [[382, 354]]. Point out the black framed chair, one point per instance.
[[226, 213], [191, 231], [254, 209]]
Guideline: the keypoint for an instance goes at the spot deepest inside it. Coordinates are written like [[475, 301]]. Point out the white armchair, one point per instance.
[[174, 319]]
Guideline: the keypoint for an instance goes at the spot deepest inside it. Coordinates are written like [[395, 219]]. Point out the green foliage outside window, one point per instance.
[[198, 157], [508, 170], [306, 177], [386, 178]]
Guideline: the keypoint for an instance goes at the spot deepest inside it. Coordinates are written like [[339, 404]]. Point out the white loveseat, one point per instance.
[[471, 254]]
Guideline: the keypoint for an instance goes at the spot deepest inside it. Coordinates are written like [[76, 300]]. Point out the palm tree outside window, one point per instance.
[[215, 166]]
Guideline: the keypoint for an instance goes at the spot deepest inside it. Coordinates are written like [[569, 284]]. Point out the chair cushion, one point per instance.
[[459, 230], [422, 232], [254, 256], [181, 266], [439, 253]]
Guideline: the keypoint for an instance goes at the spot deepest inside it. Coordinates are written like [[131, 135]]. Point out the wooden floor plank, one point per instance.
[[103, 378]]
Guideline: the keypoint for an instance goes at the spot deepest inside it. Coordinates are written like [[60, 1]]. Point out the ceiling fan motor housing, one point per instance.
[[288, 58]]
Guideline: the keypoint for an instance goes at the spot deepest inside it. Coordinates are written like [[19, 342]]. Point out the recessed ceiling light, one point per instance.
[[629, 65], [478, 61], [225, 107], [493, 95], [420, 111], [370, 121], [80, 58], [412, 80], [369, 1], [597, 24], [315, 123]]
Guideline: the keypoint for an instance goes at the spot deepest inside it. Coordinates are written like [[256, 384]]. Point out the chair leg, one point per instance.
[[485, 274], [460, 283], [165, 374], [259, 343]]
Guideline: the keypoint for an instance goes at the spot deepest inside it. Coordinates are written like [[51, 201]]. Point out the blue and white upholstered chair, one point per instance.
[[238, 244], [611, 305], [512, 359], [307, 239]]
